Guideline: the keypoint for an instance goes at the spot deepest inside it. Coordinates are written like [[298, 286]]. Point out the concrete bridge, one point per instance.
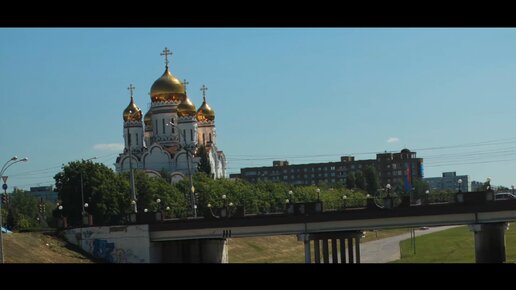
[[331, 234]]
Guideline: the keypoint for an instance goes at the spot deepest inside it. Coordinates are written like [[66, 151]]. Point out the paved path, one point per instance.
[[388, 249]]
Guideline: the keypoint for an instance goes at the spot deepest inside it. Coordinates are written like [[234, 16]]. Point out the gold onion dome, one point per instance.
[[132, 112], [205, 113], [167, 88], [147, 119], [186, 108]]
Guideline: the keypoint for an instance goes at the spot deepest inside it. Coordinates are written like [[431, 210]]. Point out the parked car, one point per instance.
[[504, 196]]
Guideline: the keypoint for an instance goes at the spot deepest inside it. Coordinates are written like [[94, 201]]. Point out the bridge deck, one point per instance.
[[349, 219]]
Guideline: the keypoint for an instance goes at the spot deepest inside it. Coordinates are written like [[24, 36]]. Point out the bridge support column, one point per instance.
[[489, 242], [337, 252]]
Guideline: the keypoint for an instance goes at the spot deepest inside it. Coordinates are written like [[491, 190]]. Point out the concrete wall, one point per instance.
[[115, 244]]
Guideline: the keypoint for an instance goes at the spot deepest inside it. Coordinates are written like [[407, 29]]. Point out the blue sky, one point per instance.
[[303, 95]]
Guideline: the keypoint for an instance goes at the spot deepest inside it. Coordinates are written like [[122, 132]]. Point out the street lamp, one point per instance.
[[318, 190], [512, 187], [131, 174], [83, 213], [388, 201], [388, 188], [6, 165], [291, 195], [488, 182], [460, 184], [187, 149]]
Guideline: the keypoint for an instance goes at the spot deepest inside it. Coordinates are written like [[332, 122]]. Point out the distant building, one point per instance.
[[45, 192], [476, 185], [449, 181], [392, 168]]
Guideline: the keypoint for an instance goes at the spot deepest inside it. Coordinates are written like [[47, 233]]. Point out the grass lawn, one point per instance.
[[450, 246], [37, 247], [283, 249]]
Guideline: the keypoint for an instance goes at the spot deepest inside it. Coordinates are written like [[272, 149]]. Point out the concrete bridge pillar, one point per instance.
[[337, 252], [194, 251], [489, 242]]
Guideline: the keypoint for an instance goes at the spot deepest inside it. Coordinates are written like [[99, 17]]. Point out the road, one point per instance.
[[388, 249]]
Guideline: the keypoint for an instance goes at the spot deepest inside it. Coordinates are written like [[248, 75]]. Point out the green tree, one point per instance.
[[420, 187], [371, 179], [359, 180], [204, 163], [23, 211], [350, 180], [106, 192]]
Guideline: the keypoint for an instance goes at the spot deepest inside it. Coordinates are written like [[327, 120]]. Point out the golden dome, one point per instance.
[[167, 88], [186, 108], [205, 113], [132, 112], [147, 119]]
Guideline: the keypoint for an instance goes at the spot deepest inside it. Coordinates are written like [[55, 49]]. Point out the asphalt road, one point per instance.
[[388, 249]]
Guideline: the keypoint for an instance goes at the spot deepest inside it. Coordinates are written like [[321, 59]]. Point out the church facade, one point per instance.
[[168, 139]]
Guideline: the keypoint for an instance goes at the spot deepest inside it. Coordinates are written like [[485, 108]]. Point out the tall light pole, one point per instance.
[[192, 188], [82, 187], [131, 174], [6, 165], [460, 184]]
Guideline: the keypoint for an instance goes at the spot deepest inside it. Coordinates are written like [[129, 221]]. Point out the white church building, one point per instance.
[[172, 130]]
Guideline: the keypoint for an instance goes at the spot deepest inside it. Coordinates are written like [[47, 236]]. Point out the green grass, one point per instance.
[[283, 249], [454, 245]]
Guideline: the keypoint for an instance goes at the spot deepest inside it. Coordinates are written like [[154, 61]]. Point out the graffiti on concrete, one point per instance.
[[103, 249]]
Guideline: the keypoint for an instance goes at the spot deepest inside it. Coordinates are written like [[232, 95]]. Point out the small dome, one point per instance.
[[405, 150], [132, 112], [167, 88], [186, 108], [147, 119], [205, 113]]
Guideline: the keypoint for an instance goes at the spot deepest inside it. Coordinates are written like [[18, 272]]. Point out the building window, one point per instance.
[[136, 139], [210, 138], [203, 139], [332, 168], [156, 127], [163, 123], [172, 127], [184, 135], [191, 135]]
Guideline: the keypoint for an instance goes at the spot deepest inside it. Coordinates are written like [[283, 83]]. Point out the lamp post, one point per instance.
[[6, 165], [388, 189], [224, 209], [83, 213], [187, 149], [387, 201], [291, 195], [318, 191], [460, 184], [427, 194], [131, 174], [488, 182], [512, 187]]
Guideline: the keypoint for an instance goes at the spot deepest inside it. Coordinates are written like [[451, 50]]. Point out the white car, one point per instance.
[[504, 196]]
